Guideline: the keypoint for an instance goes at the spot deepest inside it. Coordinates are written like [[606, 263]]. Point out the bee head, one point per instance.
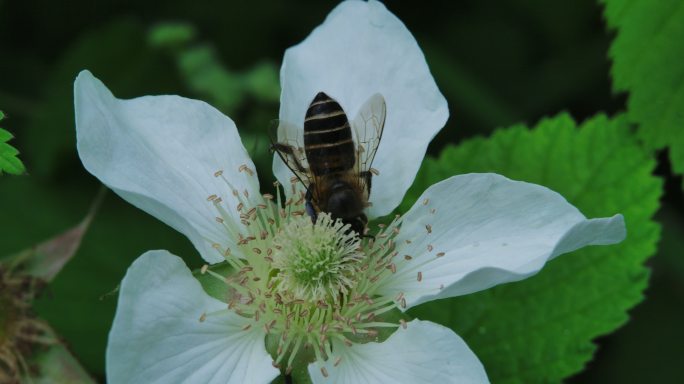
[[343, 201]]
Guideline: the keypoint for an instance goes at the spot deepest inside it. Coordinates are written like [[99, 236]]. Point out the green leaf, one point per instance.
[[540, 330], [9, 162], [647, 62]]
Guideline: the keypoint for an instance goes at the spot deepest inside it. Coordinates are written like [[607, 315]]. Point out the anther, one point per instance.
[[211, 197], [420, 276], [203, 317], [440, 254], [426, 201], [337, 361], [324, 372], [268, 196], [429, 228], [430, 248], [246, 169], [246, 327], [407, 257], [403, 323], [219, 220], [204, 268], [374, 171], [218, 173]]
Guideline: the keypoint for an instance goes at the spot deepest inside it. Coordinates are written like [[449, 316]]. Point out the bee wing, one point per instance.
[[288, 142], [367, 128]]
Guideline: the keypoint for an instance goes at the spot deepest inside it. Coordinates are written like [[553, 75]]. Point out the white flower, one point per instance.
[[295, 284]]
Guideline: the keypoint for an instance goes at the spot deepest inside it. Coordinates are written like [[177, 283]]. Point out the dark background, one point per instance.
[[498, 63]]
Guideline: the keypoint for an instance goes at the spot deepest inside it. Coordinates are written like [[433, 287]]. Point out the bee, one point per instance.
[[333, 159]]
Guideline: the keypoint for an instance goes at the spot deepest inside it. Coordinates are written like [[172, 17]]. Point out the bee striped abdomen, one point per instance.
[[328, 139]]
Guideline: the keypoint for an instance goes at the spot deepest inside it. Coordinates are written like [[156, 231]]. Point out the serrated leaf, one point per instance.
[[9, 162], [540, 330], [647, 58]]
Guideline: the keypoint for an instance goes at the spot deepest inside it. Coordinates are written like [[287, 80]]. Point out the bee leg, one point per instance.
[[309, 205], [286, 149], [359, 225], [367, 176]]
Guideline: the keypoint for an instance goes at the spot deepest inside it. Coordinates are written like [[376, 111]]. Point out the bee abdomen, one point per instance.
[[327, 137]]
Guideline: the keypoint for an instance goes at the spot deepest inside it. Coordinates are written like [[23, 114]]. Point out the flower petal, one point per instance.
[[424, 352], [362, 49], [157, 336], [160, 154], [484, 230]]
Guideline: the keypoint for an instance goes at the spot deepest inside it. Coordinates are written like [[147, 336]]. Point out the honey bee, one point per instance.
[[334, 162]]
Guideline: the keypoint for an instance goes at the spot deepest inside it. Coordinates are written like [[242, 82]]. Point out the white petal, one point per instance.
[[424, 352], [160, 154], [362, 49], [491, 230], [157, 336]]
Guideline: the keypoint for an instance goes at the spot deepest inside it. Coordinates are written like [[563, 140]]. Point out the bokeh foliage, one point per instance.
[[498, 65]]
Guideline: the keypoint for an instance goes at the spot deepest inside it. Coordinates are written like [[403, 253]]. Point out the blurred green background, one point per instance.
[[497, 63]]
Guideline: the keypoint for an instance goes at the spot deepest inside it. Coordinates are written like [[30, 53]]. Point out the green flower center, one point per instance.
[[316, 262]]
